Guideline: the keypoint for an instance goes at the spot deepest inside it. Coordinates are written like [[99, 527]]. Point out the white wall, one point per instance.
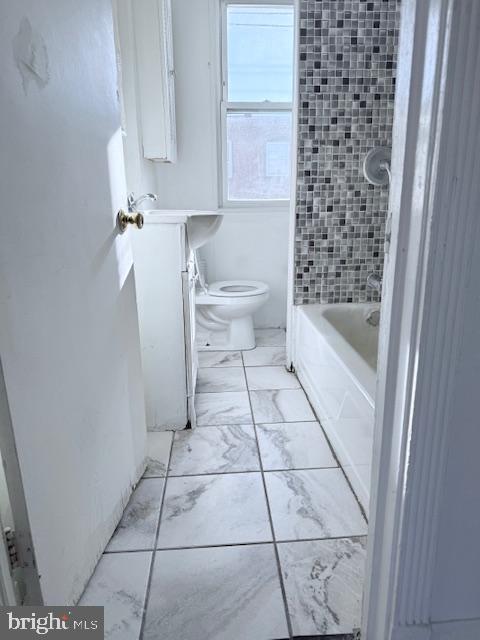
[[191, 182], [69, 332], [251, 245]]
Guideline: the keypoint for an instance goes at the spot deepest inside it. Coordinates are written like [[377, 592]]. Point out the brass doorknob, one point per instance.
[[124, 219]]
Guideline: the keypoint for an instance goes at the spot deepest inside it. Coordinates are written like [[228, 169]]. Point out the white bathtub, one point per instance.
[[335, 359]]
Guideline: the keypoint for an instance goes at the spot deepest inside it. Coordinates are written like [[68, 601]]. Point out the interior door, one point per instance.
[[69, 330], [7, 593]]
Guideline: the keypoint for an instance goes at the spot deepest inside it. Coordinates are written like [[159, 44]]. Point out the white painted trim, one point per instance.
[[274, 2], [7, 590], [261, 107], [255, 204], [435, 167], [30, 583], [403, 291], [257, 209], [454, 190], [456, 630], [291, 316], [223, 157], [226, 106], [215, 17], [451, 630], [154, 50]]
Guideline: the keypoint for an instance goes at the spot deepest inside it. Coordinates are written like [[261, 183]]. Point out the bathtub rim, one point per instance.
[[364, 377]]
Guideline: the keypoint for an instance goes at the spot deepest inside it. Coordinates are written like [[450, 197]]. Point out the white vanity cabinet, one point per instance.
[[165, 283]]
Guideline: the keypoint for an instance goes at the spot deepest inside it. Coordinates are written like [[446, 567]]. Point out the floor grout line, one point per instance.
[[247, 366], [275, 547], [228, 473], [249, 424], [247, 388], [254, 543], [210, 393], [154, 551]]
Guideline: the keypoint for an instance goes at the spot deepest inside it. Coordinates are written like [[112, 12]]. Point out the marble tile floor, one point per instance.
[[244, 528]]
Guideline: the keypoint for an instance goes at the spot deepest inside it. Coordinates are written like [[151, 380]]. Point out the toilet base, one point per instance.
[[239, 336]]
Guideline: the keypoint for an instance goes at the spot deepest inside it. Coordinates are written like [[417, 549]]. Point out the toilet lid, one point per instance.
[[237, 288]]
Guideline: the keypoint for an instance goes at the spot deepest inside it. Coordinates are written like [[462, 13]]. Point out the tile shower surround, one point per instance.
[[347, 52]]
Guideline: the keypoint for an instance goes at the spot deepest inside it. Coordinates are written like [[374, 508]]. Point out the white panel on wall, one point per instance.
[[139, 171], [153, 35]]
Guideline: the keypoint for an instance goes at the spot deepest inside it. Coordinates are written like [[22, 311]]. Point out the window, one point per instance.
[[257, 78]]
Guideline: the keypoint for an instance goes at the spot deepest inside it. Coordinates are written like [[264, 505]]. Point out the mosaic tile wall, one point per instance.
[[346, 95]]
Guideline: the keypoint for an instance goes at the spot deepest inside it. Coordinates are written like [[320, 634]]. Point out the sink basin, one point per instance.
[[201, 225]]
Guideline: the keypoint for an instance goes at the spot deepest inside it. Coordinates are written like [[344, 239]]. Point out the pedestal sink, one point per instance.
[[201, 225]]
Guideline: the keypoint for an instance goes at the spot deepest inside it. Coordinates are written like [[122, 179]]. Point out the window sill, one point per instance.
[[256, 208]]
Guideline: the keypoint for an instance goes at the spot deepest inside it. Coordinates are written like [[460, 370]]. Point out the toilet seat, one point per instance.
[[237, 288]]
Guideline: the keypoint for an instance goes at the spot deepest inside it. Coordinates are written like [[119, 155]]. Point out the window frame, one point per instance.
[[240, 107]]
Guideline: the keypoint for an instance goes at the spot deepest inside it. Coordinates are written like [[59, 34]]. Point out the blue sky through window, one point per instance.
[[260, 53]]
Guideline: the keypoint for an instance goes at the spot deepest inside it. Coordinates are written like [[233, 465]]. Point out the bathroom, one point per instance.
[[237, 320], [274, 110]]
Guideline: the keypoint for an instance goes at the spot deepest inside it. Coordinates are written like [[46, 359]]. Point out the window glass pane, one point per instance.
[[260, 53], [259, 155]]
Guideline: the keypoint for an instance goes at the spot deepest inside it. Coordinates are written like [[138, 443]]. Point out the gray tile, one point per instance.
[[271, 378], [346, 90], [214, 510], [284, 405], [219, 359], [324, 584], [214, 450], [138, 525], [223, 408], [270, 337], [119, 584], [225, 593], [158, 452], [214, 380], [294, 445], [264, 357], [317, 503]]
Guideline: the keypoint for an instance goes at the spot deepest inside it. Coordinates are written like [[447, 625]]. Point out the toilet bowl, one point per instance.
[[224, 313]]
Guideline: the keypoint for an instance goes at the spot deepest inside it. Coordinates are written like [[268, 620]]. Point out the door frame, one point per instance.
[[28, 591], [403, 293], [434, 158], [290, 319], [8, 596]]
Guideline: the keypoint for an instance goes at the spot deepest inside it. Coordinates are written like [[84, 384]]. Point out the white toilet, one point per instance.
[[224, 313]]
